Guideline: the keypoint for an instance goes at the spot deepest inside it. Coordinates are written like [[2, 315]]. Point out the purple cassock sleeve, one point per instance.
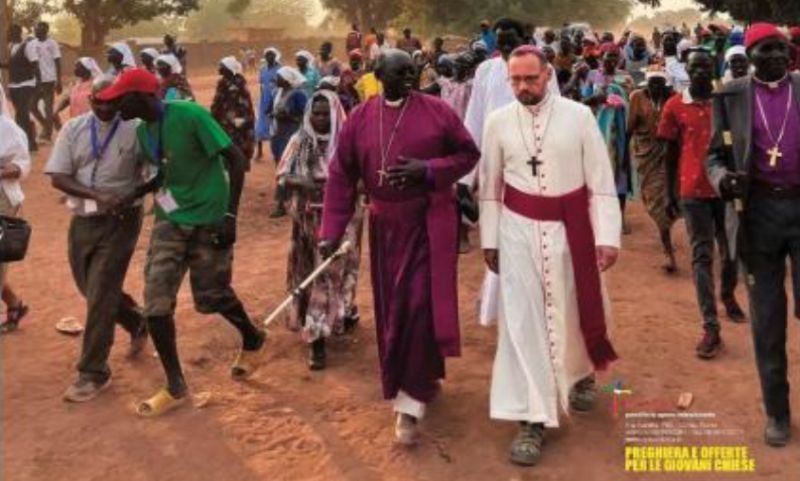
[[341, 186], [462, 155]]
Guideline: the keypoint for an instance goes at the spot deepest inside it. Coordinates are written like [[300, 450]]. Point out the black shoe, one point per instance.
[[350, 322], [709, 345], [777, 432], [735, 313], [317, 357]]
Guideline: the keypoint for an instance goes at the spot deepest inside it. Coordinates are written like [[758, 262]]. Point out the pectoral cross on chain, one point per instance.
[[535, 163], [774, 154]]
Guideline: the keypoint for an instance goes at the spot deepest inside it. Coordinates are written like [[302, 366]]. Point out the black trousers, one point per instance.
[[772, 232], [22, 98], [705, 221]]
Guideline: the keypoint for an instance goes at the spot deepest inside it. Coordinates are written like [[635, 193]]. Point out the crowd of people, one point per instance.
[[540, 136]]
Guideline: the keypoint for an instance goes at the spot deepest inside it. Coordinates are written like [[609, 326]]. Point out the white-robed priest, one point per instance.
[[550, 224]]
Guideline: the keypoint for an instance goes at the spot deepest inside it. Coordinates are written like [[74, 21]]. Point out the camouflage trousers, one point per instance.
[[173, 250]]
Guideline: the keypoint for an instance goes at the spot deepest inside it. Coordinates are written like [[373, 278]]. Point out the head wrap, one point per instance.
[[656, 71], [275, 51], [734, 51], [338, 116], [761, 31], [292, 75], [127, 55], [331, 80], [306, 55], [91, 65], [232, 64], [684, 45], [150, 52], [172, 61]]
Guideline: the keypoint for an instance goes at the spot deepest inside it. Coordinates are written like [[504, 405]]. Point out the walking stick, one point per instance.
[[343, 249]]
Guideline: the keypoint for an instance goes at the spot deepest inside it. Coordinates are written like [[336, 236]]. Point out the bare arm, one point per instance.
[[235, 165]]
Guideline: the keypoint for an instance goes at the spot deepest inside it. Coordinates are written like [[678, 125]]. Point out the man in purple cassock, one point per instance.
[[408, 150]]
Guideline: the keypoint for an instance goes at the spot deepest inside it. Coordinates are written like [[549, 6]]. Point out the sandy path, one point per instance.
[[290, 424]]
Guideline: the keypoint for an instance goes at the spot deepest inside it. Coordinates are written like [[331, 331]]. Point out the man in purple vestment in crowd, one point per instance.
[[408, 150]]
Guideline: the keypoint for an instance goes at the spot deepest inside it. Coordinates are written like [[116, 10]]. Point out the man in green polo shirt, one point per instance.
[[197, 198]]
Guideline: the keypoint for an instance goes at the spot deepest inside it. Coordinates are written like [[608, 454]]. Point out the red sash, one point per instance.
[[573, 210]]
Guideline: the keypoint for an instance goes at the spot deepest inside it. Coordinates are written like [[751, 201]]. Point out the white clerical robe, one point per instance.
[[491, 90], [541, 353]]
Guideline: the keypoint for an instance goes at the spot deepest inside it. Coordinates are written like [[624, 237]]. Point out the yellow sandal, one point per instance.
[[161, 403]]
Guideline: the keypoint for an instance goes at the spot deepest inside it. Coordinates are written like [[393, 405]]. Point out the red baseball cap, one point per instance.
[[133, 80], [761, 31]]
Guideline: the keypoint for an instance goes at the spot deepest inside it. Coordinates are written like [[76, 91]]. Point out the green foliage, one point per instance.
[[27, 12], [463, 16], [776, 11]]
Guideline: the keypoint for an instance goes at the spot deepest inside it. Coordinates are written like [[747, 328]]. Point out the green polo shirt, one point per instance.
[[193, 171]]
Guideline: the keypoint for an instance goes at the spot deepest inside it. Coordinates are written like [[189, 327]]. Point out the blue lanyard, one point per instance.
[[156, 146], [97, 149]]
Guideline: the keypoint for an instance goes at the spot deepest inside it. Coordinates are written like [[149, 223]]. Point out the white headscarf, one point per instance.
[[734, 51], [13, 148], [331, 80], [292, 75], [232, 64], [338, 116], [127, 55], [308, 56], [684, 45], [172, 61], [150, 52], [275, 51], [91, 65]]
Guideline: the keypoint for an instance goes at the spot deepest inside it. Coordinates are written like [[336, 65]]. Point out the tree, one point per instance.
[[462, 16], [783, 12], [776, 11], [98, 17], [368, 13]]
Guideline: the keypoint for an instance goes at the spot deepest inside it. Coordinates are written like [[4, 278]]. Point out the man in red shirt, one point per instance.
[[686, 128]]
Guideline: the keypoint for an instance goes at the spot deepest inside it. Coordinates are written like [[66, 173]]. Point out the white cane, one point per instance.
[[343, 249]]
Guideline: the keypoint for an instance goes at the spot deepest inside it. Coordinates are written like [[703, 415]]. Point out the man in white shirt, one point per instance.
[[23, 73], [97, 161], [49, 78]]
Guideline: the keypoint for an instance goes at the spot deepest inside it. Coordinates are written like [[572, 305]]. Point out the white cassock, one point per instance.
[[491, 90], [541, 352]]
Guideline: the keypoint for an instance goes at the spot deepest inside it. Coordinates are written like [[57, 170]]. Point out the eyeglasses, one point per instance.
[[527, 79]]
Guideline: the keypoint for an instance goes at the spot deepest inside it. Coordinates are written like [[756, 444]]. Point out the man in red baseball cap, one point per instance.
[[197, 201], [754, 161]]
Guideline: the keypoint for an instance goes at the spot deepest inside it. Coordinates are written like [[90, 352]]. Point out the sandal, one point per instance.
[[161, 403], [13, 317], [527, 447], [248, 361]]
